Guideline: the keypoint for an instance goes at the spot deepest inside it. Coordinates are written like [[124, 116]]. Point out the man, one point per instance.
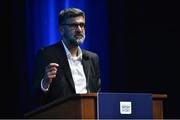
[[64, 68]]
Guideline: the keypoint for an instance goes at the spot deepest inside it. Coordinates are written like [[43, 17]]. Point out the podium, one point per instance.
[[85, 106]]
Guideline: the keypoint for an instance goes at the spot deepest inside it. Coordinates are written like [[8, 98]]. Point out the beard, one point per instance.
[[77, 40]]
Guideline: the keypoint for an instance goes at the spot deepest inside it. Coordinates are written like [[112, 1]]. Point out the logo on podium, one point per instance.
[[125, 107]]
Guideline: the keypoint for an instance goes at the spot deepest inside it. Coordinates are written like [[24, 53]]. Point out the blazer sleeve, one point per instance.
[[95, 61]]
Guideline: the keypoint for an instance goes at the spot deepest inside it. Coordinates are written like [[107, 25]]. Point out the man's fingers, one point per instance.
[[52, 73], [51, 69], [54, 65], [51, 76]]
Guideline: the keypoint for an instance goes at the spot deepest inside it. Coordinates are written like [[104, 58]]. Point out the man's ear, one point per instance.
[[61, 30]]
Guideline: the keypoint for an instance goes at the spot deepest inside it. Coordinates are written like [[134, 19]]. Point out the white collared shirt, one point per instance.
[[77, 70]]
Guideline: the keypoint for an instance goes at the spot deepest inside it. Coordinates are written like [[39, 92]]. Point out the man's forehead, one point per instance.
[[78, 19]]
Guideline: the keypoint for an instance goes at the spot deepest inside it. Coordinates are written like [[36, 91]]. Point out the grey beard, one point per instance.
[[78, 42]]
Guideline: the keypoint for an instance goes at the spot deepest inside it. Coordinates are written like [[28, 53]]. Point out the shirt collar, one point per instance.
[[68, 53]]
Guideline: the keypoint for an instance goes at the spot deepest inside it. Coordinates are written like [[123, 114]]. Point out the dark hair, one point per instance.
[[69, 13]]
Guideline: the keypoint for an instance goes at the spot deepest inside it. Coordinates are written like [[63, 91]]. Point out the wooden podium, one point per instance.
[[158, 105], [84, 106]]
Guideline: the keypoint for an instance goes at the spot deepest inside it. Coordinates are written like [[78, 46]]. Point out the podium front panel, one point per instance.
[[124, 106]]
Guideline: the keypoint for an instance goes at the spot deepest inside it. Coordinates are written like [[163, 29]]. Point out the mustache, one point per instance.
[[79, 34]]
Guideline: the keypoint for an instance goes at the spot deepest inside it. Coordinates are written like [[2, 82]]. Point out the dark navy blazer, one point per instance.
[[63, 84]]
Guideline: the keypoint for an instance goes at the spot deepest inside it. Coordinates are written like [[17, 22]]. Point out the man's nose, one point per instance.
[[79, 28]]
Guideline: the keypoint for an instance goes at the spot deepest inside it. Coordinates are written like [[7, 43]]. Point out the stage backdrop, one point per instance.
[[41, 30], [137, 41]]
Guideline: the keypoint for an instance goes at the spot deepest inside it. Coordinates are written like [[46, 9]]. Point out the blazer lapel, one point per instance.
[[63, 62], [86, 67]]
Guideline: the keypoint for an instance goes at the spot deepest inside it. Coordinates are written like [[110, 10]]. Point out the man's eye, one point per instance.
[[74, 25]]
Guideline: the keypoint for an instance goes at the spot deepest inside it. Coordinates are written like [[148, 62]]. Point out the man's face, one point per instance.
[[73, 30]]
